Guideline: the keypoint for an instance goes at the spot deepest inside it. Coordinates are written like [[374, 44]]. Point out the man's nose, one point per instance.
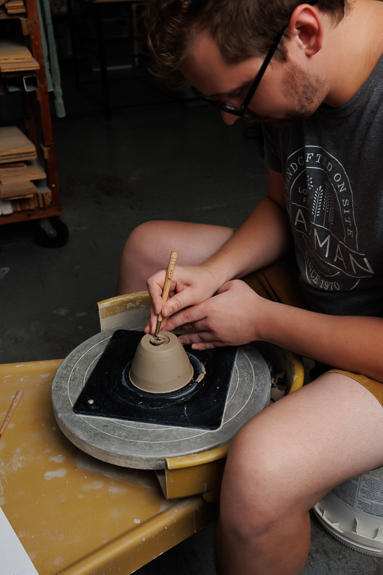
[[229, 119]]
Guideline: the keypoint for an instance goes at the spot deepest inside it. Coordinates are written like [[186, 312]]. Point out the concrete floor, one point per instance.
[[167, 161]]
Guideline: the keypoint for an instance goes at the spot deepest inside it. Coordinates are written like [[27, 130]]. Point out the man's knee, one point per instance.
[[140, 257], [256, 488], [141, 240]]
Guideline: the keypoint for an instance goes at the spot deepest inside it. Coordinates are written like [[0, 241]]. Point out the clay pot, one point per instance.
[[160, 367]]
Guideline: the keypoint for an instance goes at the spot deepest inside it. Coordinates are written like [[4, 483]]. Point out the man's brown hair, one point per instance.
[[241, 28]]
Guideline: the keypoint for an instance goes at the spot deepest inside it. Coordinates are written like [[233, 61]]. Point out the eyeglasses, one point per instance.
[[243, 112]]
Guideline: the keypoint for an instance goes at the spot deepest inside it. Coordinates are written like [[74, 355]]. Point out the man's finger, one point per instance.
[[153, 323], [155, 292], [188, 316], [197, 337], [225, 287], [200, 341], [203, 346], [177, 303]]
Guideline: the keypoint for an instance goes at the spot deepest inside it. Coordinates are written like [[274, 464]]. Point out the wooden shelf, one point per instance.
[[29, 215], [37, 122]]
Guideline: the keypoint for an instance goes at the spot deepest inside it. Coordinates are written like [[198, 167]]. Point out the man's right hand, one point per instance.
[[190, 285]]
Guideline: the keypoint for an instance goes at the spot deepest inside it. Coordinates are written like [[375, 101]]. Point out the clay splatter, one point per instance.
[[94, 485], [61, 472], [57, 458]]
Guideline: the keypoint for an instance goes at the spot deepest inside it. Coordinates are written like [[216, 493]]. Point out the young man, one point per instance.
[[319, 96]]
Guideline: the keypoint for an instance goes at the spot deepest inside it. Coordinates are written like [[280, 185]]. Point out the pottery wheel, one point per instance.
[[146, 445]]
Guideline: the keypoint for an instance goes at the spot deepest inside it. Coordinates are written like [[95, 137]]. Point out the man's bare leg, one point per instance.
[[284, 461], [148, 248]]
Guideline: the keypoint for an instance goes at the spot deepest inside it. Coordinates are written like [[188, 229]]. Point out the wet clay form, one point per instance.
[[160, 364], [200, 403]]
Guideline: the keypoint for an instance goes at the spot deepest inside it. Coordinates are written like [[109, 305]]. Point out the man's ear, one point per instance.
[[306, 28]]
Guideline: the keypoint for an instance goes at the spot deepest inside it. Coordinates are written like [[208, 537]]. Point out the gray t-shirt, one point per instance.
[[333, 169]]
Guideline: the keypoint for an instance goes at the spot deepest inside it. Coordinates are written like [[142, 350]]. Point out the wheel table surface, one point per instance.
[[76, 515]]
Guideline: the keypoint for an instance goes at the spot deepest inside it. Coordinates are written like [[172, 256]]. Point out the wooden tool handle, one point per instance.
[[169, 276], [165, 291], [11, 410]]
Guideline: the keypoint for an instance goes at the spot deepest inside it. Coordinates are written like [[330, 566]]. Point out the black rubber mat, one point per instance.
[[201, 403]]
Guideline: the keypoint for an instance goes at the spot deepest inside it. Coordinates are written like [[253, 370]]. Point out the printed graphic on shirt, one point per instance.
[[321, 211]]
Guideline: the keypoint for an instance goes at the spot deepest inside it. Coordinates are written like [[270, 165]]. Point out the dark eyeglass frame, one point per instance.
[[242, 112]]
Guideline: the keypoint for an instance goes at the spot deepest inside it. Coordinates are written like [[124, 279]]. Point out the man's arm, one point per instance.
[[237, 315], [352, 343], [262, 239]]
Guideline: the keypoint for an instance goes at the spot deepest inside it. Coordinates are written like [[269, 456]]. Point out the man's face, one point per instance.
[[286, 93]]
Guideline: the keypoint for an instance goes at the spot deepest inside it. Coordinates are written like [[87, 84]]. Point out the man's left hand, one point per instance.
[[231, 317]]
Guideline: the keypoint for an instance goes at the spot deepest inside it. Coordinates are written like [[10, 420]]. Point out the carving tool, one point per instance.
[[18, 396], [165, 292]]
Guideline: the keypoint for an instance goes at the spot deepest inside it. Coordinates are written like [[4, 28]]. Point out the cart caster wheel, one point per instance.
[[51, 233]]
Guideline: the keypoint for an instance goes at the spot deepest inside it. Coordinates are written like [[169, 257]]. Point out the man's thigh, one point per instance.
[[304, 445]]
